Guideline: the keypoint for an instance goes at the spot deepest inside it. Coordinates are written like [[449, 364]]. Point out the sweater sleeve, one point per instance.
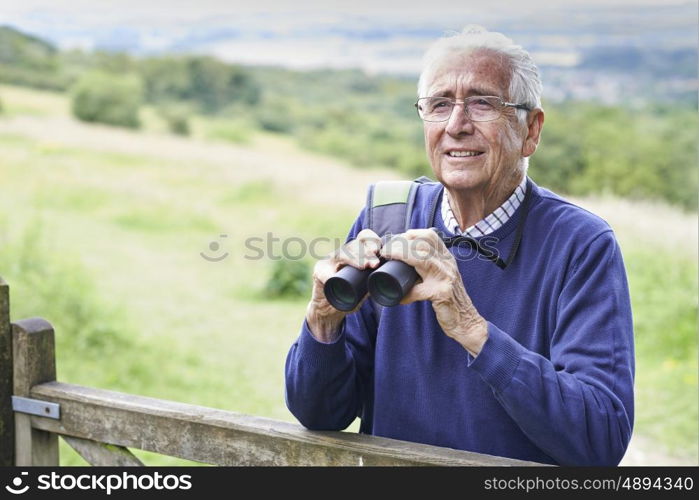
[[577, 406], [327, 385]]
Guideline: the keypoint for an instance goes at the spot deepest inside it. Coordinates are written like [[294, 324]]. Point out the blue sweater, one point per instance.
[[553, 382]]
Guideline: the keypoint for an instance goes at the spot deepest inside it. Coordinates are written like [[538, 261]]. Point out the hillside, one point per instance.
[[104, 227]]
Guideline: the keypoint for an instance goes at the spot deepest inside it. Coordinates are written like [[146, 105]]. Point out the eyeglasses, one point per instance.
[[477, 108]]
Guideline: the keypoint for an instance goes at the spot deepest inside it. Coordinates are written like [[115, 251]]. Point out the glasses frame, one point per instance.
[[454, 102]]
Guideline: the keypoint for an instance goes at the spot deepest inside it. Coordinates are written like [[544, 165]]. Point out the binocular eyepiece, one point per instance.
[[387, 284]]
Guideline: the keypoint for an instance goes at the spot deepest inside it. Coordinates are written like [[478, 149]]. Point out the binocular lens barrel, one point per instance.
[[346, 288], [387, 285]]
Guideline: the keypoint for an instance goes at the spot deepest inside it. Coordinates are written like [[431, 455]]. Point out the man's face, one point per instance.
[[497, 144]]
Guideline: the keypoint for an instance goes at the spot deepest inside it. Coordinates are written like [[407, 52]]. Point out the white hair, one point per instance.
[[525, 84]]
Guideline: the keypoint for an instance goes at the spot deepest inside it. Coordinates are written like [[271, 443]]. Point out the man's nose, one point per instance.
[[459, 123]]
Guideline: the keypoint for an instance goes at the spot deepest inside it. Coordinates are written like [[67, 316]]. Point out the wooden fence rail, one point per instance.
[[102, 425]]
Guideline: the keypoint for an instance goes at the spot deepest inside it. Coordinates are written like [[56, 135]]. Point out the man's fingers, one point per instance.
[[362, 252], [369, 247], [369, 239], [423, 234], [413, 249], [357, 256], [416, 293], [324, 269]]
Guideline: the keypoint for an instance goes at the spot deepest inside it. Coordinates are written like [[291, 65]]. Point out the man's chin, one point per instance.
[[463, 179]]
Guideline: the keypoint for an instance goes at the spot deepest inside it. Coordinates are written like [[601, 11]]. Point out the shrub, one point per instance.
[[176, 118], [233, 131], [290, 278], [107, 98], [278, 115]]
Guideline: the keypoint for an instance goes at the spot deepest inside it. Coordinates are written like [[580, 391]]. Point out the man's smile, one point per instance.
[[462, 154]]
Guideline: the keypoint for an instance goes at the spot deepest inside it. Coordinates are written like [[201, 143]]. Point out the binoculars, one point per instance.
[[386, 284]]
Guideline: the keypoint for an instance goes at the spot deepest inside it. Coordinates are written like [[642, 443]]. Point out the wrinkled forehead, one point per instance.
[[478, 72]]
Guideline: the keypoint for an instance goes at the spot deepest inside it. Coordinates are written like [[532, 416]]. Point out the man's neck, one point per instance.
[[472, 206]]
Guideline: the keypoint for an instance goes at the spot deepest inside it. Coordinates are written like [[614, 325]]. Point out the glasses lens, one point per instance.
[[435, 108], [483, 109], [478, 109]]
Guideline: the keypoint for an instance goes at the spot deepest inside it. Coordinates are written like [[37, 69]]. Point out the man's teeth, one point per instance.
[[464, 153]]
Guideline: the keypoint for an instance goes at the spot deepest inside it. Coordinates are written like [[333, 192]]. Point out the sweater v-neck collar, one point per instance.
[[516, 222]]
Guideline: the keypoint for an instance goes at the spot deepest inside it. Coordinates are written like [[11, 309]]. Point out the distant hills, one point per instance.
[[22, 48], [612, 53]]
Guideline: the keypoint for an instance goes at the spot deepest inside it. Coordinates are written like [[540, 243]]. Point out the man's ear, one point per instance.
[[535, 122]]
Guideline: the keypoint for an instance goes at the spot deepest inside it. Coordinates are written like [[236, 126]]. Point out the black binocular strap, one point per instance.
[[489, 254]]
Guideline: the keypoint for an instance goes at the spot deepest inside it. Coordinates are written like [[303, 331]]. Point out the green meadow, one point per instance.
[[102, 232]]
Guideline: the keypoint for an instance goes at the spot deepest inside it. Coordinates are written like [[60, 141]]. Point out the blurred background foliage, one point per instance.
[[641, 152]]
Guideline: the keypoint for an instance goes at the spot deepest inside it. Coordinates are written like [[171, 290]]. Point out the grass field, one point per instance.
[[101, 232]]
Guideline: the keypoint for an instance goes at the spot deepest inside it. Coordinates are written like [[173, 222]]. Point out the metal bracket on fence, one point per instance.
[[36, 407]]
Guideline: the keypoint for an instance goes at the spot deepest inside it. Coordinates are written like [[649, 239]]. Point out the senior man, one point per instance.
[[534, 361]]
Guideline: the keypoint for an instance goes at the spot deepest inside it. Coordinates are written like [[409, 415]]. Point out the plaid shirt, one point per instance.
[[492, 222]]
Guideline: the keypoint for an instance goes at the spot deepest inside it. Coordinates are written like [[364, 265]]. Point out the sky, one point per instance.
[[334, 5], [164, 12]]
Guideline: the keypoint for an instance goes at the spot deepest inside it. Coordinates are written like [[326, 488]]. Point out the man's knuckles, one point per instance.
[[367, 234]]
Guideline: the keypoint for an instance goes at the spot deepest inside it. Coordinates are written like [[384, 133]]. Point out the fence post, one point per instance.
[[34, 363], [7, 425]]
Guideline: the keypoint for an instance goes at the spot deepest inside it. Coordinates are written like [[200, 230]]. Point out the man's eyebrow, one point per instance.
[[470, 92], [481, 91], [442, 93]]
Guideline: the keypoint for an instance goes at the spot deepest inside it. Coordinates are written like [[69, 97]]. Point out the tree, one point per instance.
[[108, 98], [211, 84], [215, 84]]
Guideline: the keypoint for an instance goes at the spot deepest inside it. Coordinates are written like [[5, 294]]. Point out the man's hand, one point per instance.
[[323, 319], [441, 284]]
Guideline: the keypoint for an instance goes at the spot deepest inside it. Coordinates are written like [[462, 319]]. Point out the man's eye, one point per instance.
[[481, 104], [439, 104]]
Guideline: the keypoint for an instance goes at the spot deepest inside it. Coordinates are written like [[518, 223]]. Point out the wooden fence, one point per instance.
[[102, 425]]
